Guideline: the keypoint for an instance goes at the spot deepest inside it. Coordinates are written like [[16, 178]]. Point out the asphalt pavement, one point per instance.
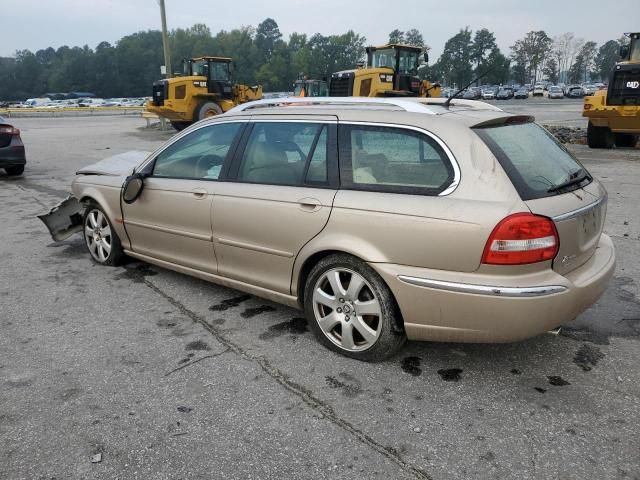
[[136, 372]]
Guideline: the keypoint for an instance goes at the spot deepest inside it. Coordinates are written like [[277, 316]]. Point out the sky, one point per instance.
[[36, 24]]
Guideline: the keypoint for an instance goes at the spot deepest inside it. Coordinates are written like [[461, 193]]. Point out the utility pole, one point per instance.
[[165, 41]]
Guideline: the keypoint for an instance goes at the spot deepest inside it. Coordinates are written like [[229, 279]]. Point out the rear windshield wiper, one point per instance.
[[574, 179]]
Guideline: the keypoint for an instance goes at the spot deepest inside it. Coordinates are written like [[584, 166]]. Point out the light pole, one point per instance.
[[165, 41]]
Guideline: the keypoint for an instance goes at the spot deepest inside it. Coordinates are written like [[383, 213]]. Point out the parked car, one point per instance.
[[12, 154], [575, 91], [555, 92], [410, 233], [489, 93], [522, 93], [504, 94], [589, 89], [473, 93], [538, 90]]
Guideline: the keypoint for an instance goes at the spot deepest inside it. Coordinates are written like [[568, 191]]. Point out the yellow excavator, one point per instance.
[[391, 71], [204, 90], [614, 113]]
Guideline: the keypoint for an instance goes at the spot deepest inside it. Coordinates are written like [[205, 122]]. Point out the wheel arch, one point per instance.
[[110, 203]]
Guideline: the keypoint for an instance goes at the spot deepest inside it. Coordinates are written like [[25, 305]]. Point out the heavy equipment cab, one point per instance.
[[310, 88], [391, 71], [614, 113], [217, 71]]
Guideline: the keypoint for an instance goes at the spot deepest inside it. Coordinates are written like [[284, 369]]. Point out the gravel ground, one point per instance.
[[154, 375]]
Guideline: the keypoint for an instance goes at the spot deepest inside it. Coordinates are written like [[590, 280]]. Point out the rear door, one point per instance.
[[553, 183], [278, 197]]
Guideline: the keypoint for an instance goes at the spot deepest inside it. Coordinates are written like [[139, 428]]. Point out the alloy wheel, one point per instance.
[[97, 235]]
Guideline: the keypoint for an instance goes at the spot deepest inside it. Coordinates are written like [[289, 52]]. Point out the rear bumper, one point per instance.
[[467, 307], [12, 155]]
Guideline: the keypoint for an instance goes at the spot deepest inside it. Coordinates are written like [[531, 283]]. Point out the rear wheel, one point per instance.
[[101, 239], [626, 140], [17, 170], [208, 109], [351, 310], [599, 137], [180, 125]]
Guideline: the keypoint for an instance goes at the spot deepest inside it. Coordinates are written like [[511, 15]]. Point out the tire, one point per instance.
[[17, 170], [371, 336], [626, 140], [100, 238], [179, 126], [599, 137], [207, 109]]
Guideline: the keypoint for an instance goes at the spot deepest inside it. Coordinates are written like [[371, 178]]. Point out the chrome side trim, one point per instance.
[[255, 248], [581, 210], [495, 291], [181, 233]]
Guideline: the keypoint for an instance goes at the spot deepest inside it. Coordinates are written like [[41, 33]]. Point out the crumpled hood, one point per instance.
[[116, 165]]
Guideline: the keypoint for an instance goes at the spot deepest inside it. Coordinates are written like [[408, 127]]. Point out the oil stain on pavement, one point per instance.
[[295, 326], [252, 312], [411, 365], [229, 303], [450, 374], [588, 357]]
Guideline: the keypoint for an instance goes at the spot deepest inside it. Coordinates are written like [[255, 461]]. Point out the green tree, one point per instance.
[[454, 65], [606, 59], [533, 50], [414, 37], [267, 39], [550, 70], [396, 36]]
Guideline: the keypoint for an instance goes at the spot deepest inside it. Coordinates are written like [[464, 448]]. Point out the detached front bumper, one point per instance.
[[467, 307], [64, 219]]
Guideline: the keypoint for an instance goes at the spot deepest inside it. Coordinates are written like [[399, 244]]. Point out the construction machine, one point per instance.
[[614, 113], [205, 89], [304, 87], [391, 71]]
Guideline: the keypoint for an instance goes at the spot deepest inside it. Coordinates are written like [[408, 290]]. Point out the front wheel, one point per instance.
[[208, 109], [179, 126], [101, 240], [351, 310]]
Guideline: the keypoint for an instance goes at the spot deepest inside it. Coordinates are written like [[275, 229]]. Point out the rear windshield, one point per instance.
[[534, 160]]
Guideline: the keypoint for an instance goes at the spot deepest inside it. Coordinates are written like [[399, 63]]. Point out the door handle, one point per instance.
[[199, 193], [310, 204]]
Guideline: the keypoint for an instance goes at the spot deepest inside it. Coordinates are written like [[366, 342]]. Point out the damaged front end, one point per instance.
[[64, 219]]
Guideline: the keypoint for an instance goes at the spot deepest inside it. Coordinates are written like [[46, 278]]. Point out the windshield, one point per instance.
[[408, 60], [533, 159], [219, 70]]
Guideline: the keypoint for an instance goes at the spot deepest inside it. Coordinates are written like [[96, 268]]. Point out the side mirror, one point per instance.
[[624, 51], [132, 188], [426, 57]]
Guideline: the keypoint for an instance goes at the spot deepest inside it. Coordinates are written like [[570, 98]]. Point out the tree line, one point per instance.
[[261, 55]]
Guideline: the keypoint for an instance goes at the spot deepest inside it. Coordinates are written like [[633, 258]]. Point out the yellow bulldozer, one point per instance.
[[304, 87], [614, 113], [204, 90], [391, 71]]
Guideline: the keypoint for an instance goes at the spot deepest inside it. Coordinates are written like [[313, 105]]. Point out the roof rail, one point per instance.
[[405, 104], [411, 104]]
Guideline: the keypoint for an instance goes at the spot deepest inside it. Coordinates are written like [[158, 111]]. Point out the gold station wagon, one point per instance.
[[384, 219]]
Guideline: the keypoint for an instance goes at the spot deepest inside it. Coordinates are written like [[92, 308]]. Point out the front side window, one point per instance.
[[285, 153], [198, 155], [219, 71], [392, 159], [384, 58], [408, 62]]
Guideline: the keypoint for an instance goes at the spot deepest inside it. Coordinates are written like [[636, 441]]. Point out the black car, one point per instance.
[[12, 157], [575, 92], [504, 94]]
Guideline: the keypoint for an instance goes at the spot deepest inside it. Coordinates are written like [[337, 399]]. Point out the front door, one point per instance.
[[278, 197], [171, 220]]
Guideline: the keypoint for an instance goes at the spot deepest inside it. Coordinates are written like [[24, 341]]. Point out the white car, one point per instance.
[[538, 90]]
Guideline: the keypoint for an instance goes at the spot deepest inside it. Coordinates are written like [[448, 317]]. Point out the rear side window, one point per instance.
[[394, 160], [282, 153], [532, 158]]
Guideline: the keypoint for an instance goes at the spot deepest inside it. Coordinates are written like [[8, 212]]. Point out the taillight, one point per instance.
[[9, 130], [521, 238]]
